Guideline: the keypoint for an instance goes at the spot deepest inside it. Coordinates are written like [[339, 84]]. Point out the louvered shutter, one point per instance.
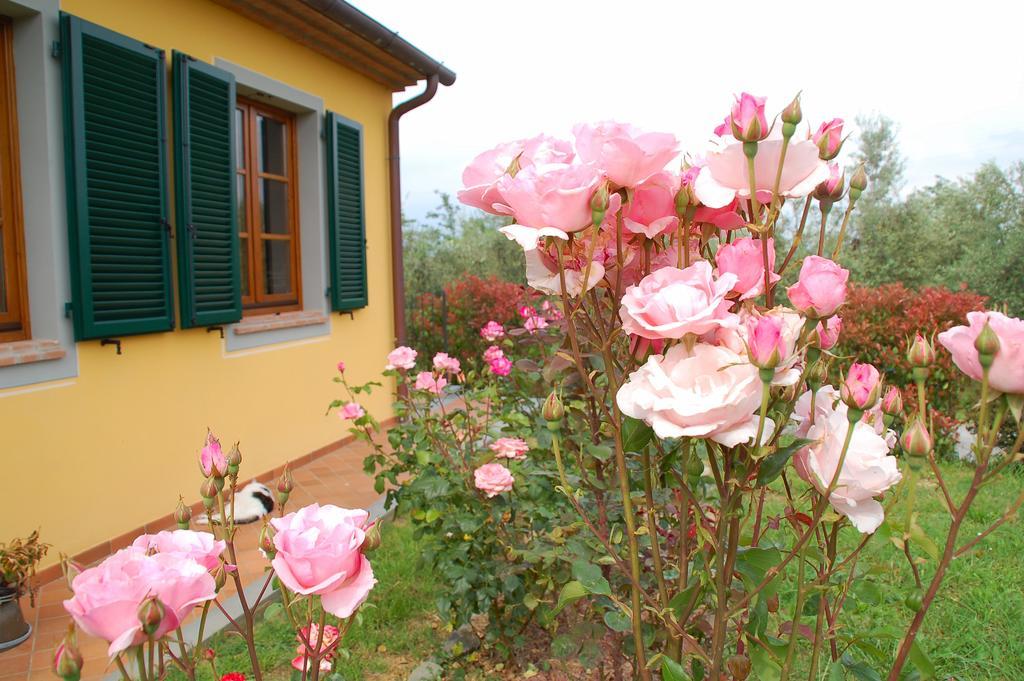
[[346, 228], [205, 208], [115, 136]]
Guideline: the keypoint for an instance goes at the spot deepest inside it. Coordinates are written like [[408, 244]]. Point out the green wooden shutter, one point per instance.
[[346, 219], [205, 206], [115, 138]]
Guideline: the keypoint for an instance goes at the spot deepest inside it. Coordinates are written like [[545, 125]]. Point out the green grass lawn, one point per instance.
[[398, 628]]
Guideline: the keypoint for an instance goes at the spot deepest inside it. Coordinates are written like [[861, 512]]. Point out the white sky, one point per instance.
[[950, 74]]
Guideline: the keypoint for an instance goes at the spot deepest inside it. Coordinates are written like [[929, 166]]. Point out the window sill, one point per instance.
[[281, 320], [28, 351]]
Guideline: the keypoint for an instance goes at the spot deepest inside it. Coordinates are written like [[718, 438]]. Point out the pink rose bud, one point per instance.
[[234, 459], [208, 491], [266, 541], [182, 514], [151, 613], [553, 411], [921, 353], [372, 541], [284, 485], [67, 659], [821, 288], [765, 346], [861, 387], [747, 120], [212, 461], [792, 114], [831, 190], [987, 345], [892, 403], [70, 569], [828, 332], [220, 577], [916, 440], [858, 182], [341, 367], [209, 654], [829, 138], [599, 203], [351, 411]]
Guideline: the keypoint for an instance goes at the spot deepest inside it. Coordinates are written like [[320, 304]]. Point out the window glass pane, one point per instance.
[[274, 206], [243, 224], [272, 145], [277, 266], [239, 138], [243, 259], [3, 270]]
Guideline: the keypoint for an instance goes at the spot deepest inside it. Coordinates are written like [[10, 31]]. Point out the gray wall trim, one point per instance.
[[309, 110], [37, 76]]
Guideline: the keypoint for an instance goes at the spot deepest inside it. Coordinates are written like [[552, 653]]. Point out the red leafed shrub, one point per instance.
[[469, 303], [877, 323]]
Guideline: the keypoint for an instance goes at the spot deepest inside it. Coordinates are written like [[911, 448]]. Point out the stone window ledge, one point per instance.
[[28, 351], [280, 320]]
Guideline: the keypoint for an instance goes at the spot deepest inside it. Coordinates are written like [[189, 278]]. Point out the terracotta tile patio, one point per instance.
[[336, 477]]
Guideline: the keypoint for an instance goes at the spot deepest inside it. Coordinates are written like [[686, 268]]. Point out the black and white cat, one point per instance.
[[252, 502]]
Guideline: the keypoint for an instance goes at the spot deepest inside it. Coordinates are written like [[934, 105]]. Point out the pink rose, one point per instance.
[[492, 353], [351, 411], [627, 156], [1007, 372], [829, 138], [107, 597], [535, 324], [401, 358], [427, 381], [747, 120], [738, 338], [187, 544], [492, 331], [821, 288], [861, 387], [725, 127], [331, 638], [671, 303], [442, 362], [510, 448], [828, 332], [867, 471], [549, 200], [341, 367], [542, 274], [525, 311], [725, 175], [501, 366], [831, 189], [653, 208], [745, 259], [482, 174], [765, 345], [211, 458], [319, 551], [707, 392], [492, 479]]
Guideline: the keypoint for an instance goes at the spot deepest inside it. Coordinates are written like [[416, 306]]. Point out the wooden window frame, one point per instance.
[[14, 324], [250, 219]]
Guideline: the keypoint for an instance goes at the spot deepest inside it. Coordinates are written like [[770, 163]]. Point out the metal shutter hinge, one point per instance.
[[191, 231], [112, 341], [167, 226], [56, 49], [216, 328], [69, 308]]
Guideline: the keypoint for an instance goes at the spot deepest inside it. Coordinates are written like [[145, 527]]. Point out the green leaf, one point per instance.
[[922, 540], [773, 464], [860, 669], [589, 576], [564, 646], [763, 666], [422, 457], [617, 620], [754, 562], [635, 434], [600, 452], [682, 599], [673, 671], [867, 592], [570, 593], [919, 659]]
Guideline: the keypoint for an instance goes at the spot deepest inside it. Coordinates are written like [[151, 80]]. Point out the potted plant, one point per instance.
[[18, 561]]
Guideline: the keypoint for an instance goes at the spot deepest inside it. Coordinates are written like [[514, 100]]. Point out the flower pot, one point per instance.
[[13, 627]]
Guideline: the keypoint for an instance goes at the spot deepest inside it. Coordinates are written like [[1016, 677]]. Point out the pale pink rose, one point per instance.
[[707, 392], [653, 208], [351, 411], [427, 381], [492, 331], [401, 358], [671, 303], [550, 200], [501, 366], [311, 633], [867, 471], [828, 332], [765, 345], [319, 552], [861, 387], [725, 217], [442, 362], [725, 175], [535, 324], [747, 120], [1007, 372], [492, 353], [492, 479], [510, 448], [829, 138], [821, 288], [481, 176], [107, 597], [627, 156], [211, 457], [827, 402], [542, 274], [201, 547], [745, 259]]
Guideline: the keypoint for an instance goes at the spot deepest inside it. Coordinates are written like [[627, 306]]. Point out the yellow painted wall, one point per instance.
[[90, 458]]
